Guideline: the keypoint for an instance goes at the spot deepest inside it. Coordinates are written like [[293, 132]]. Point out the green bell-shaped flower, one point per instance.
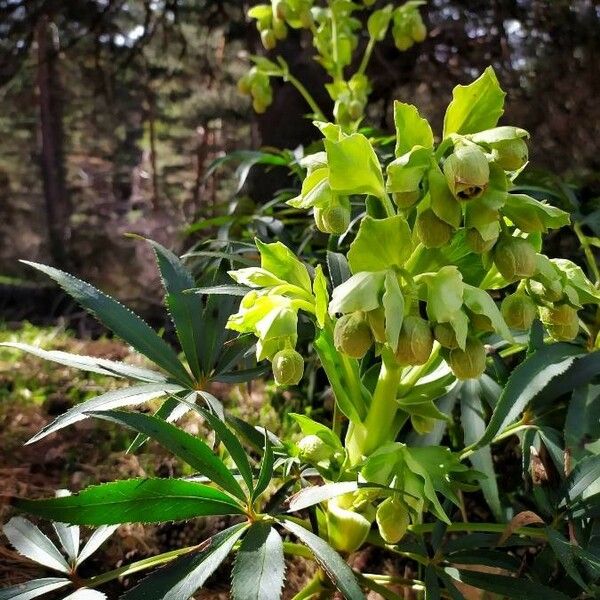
[[476, 242], [561, 321], [515, 258], [467, 172], [335, 217], [511, 155], [444, 334], [347, 528], [288, 367], [392, 520], [519, 311], [312, 449], [415, 342], [352, 334], [470, 362], [432, 231]]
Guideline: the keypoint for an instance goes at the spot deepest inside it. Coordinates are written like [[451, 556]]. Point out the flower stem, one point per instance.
[[318, 113], [366, 56]]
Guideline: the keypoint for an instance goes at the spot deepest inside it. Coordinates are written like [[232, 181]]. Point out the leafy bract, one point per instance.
[[380, 244], [354, 167], [411, 129], [476, 106], [259, 567], [134, 501], [278, 259]]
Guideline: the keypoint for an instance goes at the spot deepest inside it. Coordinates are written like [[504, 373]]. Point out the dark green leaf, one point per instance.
[[564, 551], [526, 381], [585, 473], [126, 324], [186, 309], [339, 271], [266, 469], [432, 586], [259, 566], [181, 579], [329, 560], [133, 501], [187, 447]]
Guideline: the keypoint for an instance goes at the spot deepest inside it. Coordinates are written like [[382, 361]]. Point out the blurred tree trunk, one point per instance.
[[51, 133]]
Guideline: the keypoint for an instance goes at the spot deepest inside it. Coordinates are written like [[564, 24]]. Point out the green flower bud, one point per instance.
[[243, 85], [288, 367], [355, 110], [444, 334], [268, 39], [333, 219], [551, 290], [313, 449], [392, 520], [519, 311], [432, 231], [402, 40], [480, 323], [415, 341], [352, 335], [467, 172], [470, 362], [511, 154], [418, 30], [477, 243], [347, 529], [376, 320], [279, 29], [561, 321], [514, 258]]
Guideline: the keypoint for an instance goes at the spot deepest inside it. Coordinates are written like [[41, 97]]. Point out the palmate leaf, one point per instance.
[[180, 579], [189, 448], [33, 589], [329, 560], [186, 309], [134, 501], [29, 541], [91, 364], [130, 396], [119, 319], [259, 568], [526, 381]]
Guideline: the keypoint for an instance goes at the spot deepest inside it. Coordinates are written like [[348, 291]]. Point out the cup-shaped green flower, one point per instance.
[[561, 321], [467, 172], [312, 449], [470, 362], [444, 334], [333, 218], [376, 319], [352, 334], [476, 242], [347, 528], [480, 323], [415, 342], [515, 258], [511, 155], [519, 311], [392, 519], [432, 231], [288, 367]]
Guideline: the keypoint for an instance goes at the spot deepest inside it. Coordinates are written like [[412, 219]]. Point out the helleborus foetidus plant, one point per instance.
[[444, 276], [336, 28]]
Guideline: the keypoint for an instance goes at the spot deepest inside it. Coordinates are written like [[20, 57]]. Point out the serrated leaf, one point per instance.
[[130, 396], [585, 473], [189, 448], [29, 541], [329, 560], [476, 106], [96, 540], [33, 589], [565, 553], [133, 501], [525, 382], [91, 364], [180, 579], [266, 469], [259, 568], [68, 535], [186, 309], [119, 319]]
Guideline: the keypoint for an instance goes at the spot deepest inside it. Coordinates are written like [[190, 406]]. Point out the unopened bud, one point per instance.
[[347, 529], [481, 323], [288, 367], [432, 231], [561, 321], [403, 41], [418, 30], [279, 30], [477, 243], [333, 219], [415, 341], [470, 362], [355, 110], [376, 320], [313, 449], [268, 39], [352, 335], [467, 172], [392, 520], [519, 311], [515, 258], [444, 334]]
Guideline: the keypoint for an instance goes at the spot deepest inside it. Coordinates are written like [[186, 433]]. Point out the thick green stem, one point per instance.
[[367, 436]]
